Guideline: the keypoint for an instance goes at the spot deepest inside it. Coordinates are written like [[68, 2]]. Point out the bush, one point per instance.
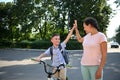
[[74, 45], [5, 44], [40, 44], [45, 44], [23, 44]]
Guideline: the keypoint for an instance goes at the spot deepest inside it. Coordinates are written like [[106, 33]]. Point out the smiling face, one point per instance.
[[55, 40], [90, 24], [87, 28]]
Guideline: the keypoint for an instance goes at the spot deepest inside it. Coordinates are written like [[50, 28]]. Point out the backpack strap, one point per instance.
[[63, 54], [51, 52], [60, 48]]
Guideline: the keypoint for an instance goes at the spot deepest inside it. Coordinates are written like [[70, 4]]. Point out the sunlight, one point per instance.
[[4, 63]]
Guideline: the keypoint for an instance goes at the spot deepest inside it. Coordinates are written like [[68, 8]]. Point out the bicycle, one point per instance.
[[49, 74]]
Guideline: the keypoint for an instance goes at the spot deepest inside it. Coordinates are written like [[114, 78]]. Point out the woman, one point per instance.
[[94, 50]]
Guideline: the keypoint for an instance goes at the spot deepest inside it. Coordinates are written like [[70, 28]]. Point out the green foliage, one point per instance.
[[74, 45], [38, 44], [41, 18], [5, 33], [23, 44], [41, 44], [80, 9], [117, 2], [5, 44], [117, 36]]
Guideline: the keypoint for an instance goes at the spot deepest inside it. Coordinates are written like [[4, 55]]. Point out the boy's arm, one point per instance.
[[69, 35], [41, 56]]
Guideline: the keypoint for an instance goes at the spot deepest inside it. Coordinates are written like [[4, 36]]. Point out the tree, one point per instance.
[[47, 16], [117, 2], [117, 36], [5, 21], [44, 17], [80, 9], [22, 12]]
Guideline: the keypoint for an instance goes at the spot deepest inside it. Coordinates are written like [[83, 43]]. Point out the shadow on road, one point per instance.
[[112, 67]]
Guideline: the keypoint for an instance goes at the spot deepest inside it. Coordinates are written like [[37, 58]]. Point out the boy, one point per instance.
[[57, 55]]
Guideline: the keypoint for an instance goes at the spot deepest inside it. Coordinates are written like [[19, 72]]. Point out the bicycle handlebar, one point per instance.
[[45, 65]]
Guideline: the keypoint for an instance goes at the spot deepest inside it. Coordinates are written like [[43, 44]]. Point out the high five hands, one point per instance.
[[75, 24]]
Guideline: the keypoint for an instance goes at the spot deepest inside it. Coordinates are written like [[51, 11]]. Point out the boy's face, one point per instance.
[[55, 40]]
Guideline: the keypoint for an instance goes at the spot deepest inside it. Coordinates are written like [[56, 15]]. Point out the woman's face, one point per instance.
[[87, 28]]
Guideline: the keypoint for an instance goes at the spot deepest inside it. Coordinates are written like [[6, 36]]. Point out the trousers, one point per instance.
[[88, 72]]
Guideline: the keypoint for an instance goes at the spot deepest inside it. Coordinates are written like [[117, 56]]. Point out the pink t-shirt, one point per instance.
[[91, 47]]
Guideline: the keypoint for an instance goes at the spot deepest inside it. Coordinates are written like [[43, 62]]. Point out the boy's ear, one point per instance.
[[51, 40]]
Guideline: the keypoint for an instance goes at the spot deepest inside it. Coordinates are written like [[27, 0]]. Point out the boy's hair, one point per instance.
[[55, 34]]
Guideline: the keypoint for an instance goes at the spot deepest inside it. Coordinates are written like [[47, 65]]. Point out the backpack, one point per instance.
[[63, 52]]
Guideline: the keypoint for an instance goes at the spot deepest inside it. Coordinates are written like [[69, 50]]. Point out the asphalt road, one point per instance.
[[16, 64]]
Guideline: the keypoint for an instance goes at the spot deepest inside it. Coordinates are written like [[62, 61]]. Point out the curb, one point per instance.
[[25, 49]]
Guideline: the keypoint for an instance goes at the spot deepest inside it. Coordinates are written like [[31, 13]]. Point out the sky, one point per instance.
[[114, 21], [5, 0]]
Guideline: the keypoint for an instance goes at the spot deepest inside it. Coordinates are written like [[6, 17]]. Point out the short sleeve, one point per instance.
[[47, 52], [103, 38], [63, 45]]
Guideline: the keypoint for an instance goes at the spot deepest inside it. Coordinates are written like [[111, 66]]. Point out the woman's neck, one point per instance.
[[94, 31]]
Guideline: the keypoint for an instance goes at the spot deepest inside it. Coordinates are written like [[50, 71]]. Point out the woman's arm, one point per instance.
[[79, 38], [103, 46]]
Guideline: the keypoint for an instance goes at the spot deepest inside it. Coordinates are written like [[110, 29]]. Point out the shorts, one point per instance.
[[61, 74]]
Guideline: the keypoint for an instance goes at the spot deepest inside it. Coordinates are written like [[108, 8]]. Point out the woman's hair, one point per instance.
[[92, 21]]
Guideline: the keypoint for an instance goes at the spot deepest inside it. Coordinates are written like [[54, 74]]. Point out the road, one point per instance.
[[16, 64]]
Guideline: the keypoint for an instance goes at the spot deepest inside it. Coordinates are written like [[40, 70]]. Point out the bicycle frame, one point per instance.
[[49, 77]]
